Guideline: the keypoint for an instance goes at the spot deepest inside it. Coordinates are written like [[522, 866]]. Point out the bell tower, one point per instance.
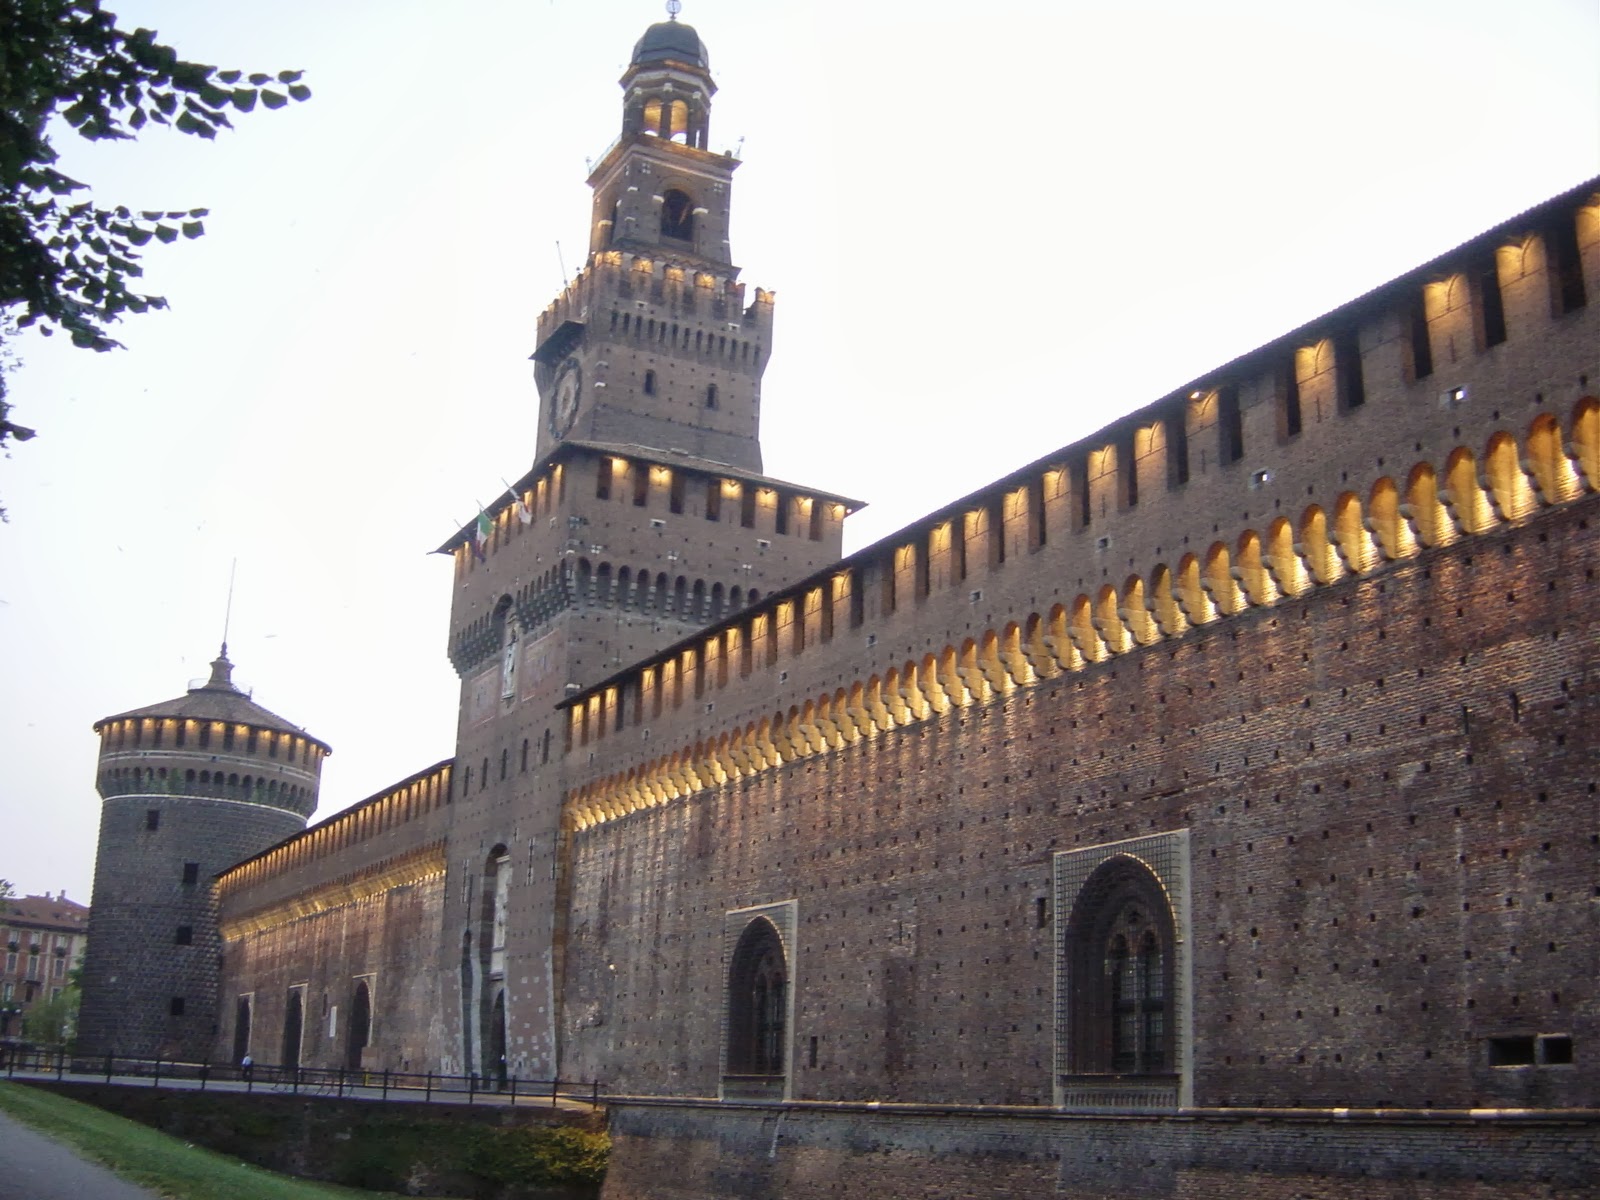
[[655, 345]]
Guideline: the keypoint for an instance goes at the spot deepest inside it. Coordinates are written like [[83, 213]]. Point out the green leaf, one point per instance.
[[229, 76], [166, 102], [199, 212], [300, 92], [137, 118], [273, 99], [166, 233], [289, 76], [244, 99], [193, 229], [82, 339], [258, 78]]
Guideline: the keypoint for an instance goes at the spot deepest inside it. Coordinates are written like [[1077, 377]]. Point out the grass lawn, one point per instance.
[[153, 1160]]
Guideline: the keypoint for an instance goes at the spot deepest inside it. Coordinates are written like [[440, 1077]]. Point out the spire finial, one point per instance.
[[674, 7], [227, 611], [221, 671]]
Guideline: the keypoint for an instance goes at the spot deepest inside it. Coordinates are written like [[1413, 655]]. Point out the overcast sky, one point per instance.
[[991, 229]]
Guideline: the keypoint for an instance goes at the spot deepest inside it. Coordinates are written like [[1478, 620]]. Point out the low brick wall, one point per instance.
[[685, 1151], [487, 1152]]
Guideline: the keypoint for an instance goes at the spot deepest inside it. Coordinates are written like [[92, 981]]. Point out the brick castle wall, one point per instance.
[[1390, 798]]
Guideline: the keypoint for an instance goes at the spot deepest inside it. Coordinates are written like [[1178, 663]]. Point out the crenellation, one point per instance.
[[1226, 580]]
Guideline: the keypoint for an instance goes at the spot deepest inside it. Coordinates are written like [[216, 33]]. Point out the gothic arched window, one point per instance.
[[1119, 948], [677, 215], [758, 1002]]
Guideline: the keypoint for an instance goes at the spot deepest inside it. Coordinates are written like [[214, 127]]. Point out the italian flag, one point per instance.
[[480, 537]]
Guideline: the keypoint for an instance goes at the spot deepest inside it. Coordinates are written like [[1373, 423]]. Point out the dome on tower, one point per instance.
[[217, 699], [671, 40]]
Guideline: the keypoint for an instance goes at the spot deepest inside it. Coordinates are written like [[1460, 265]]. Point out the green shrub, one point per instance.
[[538, 1156]]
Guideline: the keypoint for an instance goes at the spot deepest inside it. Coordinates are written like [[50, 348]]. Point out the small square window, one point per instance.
[[1555, 1050], [1514, 1051], [175, 1006], [191, 874], [185, 935], [152, 818]]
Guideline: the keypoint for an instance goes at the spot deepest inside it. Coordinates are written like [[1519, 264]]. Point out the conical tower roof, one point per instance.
[[217, 699]]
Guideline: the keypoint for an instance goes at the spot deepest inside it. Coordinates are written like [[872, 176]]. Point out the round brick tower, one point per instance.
[[190, 787]]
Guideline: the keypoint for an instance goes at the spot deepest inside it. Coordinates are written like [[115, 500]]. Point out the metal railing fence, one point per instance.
[[341, 1082]]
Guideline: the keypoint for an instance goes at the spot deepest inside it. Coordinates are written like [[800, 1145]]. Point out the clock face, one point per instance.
[[564, 397]]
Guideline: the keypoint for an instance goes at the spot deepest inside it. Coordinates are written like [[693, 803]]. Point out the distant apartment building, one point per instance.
[[44, 938]]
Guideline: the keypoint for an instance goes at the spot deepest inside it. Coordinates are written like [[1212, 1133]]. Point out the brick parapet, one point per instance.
[[346, 845], [1408, 467]]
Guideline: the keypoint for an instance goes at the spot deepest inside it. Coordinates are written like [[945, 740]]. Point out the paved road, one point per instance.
[[37, 1168]]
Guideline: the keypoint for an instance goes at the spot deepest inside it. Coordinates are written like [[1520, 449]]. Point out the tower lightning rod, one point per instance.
[[227, 612], [562, 262]]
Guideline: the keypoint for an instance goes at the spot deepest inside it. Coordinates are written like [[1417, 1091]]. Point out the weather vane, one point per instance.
[[674, 7]]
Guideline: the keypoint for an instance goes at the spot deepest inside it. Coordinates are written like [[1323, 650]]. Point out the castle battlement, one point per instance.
[[1358, 535], [1115, 542], [683, 289], [256, 882]]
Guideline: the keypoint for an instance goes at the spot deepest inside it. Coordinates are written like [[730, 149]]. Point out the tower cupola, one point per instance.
[[667, 86]]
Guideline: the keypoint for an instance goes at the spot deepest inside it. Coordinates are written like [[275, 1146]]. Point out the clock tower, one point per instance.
[[644, 517], [657, 344]]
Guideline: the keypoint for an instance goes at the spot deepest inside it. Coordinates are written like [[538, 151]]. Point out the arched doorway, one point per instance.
[[492, 930], [467, 1005], [360, 1031], [241, 1029], [293, 1023], [495, 1047], [758, 1012]]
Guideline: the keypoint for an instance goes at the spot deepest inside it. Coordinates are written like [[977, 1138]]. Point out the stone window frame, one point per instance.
[[1166, 857], [784, 917]]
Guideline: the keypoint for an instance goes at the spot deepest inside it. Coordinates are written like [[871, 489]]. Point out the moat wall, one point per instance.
[[668, 1151]]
